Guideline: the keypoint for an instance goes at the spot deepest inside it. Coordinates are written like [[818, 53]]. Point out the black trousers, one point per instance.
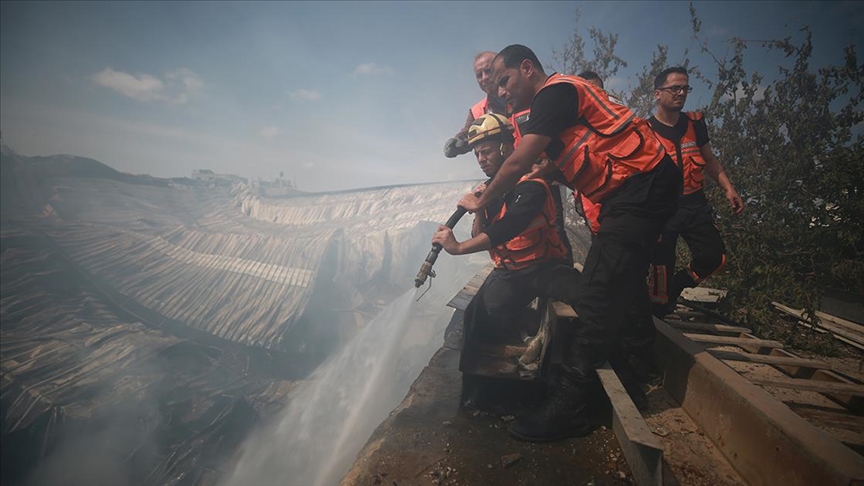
[[611, 292], [694, 222], [505, 292]]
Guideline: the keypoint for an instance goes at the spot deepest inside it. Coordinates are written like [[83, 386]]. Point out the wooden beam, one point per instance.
[[699, 326], [843, 330], [461, 300], [562, 309], [851, 402], [703, 294], [833, 418], [733, 341], [849, 325], [641, 448], [769, 359], [851, 389], [765, 441]]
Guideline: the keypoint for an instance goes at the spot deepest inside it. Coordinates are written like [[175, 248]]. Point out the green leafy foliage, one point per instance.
[[790, 148]]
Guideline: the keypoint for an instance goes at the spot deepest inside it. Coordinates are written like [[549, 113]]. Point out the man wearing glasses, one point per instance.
[[685, 137]]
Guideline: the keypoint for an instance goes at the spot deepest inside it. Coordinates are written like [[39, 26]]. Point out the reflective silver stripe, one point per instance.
[[602, 104], [578, 144], [624, 125]]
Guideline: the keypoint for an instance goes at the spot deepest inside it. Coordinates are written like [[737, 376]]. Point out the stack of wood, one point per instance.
[[841, 329]]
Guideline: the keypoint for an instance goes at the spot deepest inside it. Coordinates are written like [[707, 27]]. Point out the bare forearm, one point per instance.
[[723, 180], [478, 243], [715, 169], [716, 172]]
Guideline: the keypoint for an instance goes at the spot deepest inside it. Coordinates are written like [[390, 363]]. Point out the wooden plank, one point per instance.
[[765, 441], [839, 337], [733, 341], [851, 402], [852, 438], [642, 449], [704, 295], [851, 389], [842, 329], [769, 359], [461, 300], [833, 418], [849, 325], [563, 310], [701, 326]]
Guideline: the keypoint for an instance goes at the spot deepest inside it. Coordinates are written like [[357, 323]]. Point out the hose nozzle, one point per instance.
[[426, 269]]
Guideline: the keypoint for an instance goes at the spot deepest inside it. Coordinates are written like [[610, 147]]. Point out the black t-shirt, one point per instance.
[[675, 133], [524, 202], [553, 110]]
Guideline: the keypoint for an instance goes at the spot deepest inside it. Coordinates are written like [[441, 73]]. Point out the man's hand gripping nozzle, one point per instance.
[[426, 269]]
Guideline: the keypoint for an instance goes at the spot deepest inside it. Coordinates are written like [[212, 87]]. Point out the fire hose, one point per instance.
[[426, 269]]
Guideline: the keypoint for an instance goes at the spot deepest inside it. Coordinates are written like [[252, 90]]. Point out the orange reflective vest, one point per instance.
[[609, 145], [480, 108], [591, 211], [687, 155], [517, 119], [539, 242]]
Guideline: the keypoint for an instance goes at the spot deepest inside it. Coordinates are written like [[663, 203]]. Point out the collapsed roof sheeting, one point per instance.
[[73, 370], [229, 263]]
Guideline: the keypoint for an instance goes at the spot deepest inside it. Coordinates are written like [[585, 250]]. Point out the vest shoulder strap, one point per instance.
[[693, 115]]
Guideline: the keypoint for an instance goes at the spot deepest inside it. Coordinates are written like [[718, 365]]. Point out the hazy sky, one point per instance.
[[335, 94]]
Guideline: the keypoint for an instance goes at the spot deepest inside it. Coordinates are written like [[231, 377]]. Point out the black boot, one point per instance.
[[561, 416], [643, 361]]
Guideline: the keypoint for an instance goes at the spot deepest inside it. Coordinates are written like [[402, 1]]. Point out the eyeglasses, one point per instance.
[[677, 89]]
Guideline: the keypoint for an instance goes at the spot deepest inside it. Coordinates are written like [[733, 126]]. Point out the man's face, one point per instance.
[[489, 156], [673, 94], [512, 84], [483, 73]]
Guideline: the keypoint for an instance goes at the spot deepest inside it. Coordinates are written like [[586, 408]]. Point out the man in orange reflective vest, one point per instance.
[[491, 103], [517, 229], [607, 153], [589, 210], [518, 119], [685, 137]]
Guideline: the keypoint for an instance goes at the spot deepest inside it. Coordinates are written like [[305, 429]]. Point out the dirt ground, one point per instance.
[[430, 440]]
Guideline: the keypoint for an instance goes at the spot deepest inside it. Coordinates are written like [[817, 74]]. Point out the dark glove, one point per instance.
[[456, 146]]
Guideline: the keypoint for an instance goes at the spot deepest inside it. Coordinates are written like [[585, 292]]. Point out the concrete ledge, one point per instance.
[[765, 441]]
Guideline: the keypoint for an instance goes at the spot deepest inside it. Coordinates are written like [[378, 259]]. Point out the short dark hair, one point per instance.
[[586, 75], [661, 78], [514, 54]]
